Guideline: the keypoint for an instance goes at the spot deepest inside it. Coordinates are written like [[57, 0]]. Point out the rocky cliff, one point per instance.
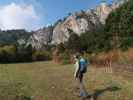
[[81, 22], [41, 37]]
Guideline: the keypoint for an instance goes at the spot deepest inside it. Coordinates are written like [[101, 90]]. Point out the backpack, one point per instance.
[[82, 65]]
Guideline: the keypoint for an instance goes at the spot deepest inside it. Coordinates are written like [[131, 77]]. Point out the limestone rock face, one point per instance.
[[81, 22], [61, 30], [102, 11], [41, 37], [78, 22]]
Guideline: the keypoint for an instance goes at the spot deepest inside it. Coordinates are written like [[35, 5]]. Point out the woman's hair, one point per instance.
[[77, 56]]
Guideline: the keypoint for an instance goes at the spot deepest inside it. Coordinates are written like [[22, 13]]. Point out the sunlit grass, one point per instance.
[[49, 81]]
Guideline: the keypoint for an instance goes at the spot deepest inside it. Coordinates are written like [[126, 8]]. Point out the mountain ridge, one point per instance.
[[79, 22]]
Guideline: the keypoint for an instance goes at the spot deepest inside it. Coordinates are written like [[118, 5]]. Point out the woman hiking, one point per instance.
[[80, 70]]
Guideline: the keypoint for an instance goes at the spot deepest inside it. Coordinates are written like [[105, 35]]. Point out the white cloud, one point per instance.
[[14, 16]]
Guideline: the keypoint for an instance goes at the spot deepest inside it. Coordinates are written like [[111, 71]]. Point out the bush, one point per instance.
[[120, 25], [65, 58], [41, 55], [24, 54], [88, 56], [7, 53]]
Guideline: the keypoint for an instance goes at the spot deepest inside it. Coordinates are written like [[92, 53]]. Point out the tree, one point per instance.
[[120, 25], [73, 43]]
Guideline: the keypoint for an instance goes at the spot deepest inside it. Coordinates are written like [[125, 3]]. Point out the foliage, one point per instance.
[[13, 53], [95, 41], [41, 55], [7, 53], [91, 41], [24, 54], [120, 25], [116, 33], [61, 47], [65, 58], [14, 46], [73, 42]]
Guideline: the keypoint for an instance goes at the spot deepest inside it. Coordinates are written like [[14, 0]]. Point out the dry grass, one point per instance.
[[50, 81]]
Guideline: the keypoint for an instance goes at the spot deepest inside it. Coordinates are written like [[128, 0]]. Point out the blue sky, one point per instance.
[[44, 12]]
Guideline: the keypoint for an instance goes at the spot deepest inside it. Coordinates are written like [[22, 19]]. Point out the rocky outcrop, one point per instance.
[[61, 30], [102, 11], [78, 22], [81, 22], [41, 37]]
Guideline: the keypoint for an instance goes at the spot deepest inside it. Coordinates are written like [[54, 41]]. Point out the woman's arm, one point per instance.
[[76, 69]]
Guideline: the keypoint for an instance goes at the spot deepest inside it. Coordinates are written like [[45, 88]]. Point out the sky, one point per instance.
[[35, 14]]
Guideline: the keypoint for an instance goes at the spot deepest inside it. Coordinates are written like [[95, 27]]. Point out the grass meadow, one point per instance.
[[50, 81]]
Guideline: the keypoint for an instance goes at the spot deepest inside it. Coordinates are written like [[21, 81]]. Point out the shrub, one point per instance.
[[88, 56], [41, 55], [65, 58], [24, 54], [7, 53]]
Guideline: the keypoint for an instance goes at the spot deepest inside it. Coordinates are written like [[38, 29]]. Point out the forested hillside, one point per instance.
[[116, 33], [119, 25], [15, 46]]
